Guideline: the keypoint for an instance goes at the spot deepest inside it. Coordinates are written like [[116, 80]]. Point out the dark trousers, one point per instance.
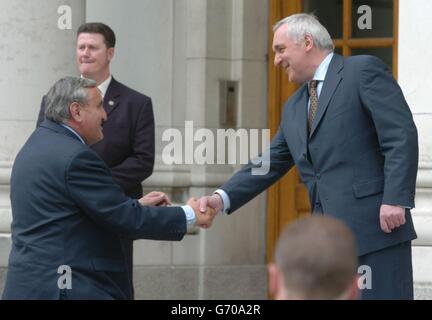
[[127, 246], [391, 271]]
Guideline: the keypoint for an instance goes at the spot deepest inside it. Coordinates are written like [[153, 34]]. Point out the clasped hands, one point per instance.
[[205, 208]]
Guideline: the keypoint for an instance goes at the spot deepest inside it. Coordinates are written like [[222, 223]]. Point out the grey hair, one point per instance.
[[302, 24], [62, 94]]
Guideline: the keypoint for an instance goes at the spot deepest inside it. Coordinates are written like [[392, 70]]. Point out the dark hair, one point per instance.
[[101, 28]]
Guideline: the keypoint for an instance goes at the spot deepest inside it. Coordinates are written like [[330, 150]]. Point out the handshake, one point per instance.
[[205, 208]]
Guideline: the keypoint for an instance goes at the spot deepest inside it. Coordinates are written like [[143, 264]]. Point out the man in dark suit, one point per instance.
[[128, 146], [68, 213], [351, 134]]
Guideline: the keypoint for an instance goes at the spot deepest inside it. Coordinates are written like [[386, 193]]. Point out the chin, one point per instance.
[[294, 80], [94, 142], [86, 72]]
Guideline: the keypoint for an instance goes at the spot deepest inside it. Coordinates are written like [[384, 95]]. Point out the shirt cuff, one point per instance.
[[404, 207], [225, 199], [190, 215]]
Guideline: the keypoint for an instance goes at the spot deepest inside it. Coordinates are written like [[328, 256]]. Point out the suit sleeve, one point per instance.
[[139, 165], [41, 115], [397, 133], [245, 185], [92, 188]]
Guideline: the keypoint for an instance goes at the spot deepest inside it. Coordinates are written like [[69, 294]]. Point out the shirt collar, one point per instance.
[[73, 131], [103, 87], [321, 71]]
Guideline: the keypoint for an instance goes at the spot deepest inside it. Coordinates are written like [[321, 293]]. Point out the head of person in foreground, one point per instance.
[[315, 258]]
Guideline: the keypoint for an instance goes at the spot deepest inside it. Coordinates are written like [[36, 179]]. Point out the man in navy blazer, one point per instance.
[[68, 214], [128, 146], [356, 150]]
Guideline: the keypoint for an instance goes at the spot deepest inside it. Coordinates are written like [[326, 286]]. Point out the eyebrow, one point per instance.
[[278, 47], [86, 45]]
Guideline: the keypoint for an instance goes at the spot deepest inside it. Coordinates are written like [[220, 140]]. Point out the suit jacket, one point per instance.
[[128, 146], [361, 152], [67, 210]]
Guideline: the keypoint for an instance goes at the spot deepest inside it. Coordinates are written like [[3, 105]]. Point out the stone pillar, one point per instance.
[[34, 53], [414, 77], [177, 51]]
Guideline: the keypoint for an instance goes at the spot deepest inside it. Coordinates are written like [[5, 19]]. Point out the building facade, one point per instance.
[[205, 64]]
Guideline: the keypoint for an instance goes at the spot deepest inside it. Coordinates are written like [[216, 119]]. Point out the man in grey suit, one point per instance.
[[351, 134], [68, 214]]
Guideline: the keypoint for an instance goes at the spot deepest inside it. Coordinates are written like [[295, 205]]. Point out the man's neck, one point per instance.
[[317, 59], [70, 126]]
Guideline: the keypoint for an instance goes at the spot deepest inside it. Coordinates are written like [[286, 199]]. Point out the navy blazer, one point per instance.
[[67, 210], [128, 146], [361, 152]]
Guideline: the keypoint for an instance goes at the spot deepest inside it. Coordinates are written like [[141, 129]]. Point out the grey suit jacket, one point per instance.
[[361, 152]]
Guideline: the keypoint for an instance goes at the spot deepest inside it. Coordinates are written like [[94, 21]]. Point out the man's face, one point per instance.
[[93, 56], [291, 56], [93, 116]]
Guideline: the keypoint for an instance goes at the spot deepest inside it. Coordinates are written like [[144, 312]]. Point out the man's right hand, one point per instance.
[[203, 219], [214, 201]]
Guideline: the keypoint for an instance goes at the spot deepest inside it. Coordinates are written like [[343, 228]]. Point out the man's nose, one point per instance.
[[277, 59], [86, 52]]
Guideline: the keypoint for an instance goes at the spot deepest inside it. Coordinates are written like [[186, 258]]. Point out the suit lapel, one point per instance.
[[301, 117], [331, 82], [111, 99]]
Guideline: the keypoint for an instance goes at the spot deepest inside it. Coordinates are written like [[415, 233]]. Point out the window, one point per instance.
[[341, 18]]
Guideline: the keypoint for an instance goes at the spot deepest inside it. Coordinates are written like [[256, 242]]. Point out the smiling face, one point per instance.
[[292, 56], [90, 117], [93, 56]]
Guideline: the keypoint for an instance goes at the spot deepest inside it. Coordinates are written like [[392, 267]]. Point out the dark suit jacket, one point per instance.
[[128, 146], [67, 210], [362, 151]]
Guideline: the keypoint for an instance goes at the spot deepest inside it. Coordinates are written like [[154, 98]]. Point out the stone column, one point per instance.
[[414, 77], [34, 53], [177, 51]]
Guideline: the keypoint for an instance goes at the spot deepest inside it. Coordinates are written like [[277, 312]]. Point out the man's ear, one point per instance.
[[75, 112], [274, 280], [309, 42], [110, 52], [353, 292]]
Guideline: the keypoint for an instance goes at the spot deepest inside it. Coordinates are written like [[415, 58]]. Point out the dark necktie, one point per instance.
[[313, 101]]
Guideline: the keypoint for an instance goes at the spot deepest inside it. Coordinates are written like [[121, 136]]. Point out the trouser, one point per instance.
[[127, 247], [391, 273]]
